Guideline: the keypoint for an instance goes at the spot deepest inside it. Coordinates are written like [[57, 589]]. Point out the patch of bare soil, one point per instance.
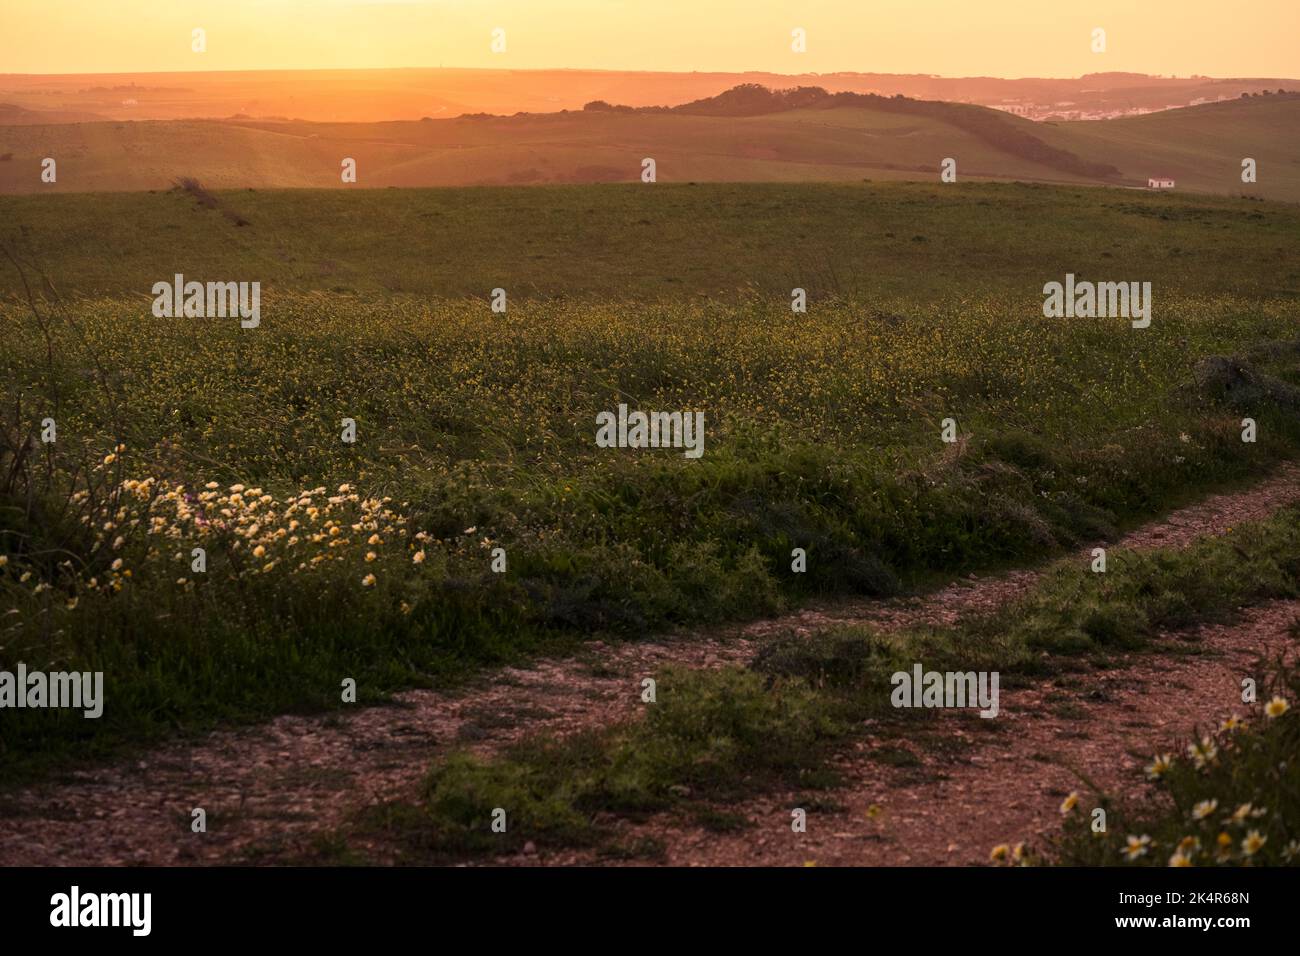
[[296, 775], [282, 781]]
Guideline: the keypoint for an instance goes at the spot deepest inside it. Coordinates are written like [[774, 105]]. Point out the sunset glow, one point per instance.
[[952, 37]]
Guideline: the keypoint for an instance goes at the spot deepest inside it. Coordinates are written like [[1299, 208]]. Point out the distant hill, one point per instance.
[[408, 94], [1200, 147], [749, 133], [13, 115], [995, 128]]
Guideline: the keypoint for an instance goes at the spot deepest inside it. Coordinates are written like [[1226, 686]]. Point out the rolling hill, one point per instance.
[[746, 134], [1201, 147]]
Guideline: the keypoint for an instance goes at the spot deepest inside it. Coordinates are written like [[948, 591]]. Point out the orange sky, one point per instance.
[[949, 37]]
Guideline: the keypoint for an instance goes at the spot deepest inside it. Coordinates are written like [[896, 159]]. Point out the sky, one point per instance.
[[948, 37]]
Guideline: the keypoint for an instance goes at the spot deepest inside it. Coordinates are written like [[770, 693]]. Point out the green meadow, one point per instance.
[[475, 430], [617, 242]]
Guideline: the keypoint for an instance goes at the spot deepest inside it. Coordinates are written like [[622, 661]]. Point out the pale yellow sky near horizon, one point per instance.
[[1008, 38]]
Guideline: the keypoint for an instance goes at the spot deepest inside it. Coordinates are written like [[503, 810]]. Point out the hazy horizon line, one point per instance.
[[584, 69]]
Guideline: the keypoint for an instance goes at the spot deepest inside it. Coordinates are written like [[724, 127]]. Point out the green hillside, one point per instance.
[[1201, 147]]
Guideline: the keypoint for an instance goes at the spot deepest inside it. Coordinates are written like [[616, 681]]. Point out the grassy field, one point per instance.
[[475, 431], [909, 242]]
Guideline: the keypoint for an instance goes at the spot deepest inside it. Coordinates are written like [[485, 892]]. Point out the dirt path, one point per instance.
[[282, 781], [968, 785]]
